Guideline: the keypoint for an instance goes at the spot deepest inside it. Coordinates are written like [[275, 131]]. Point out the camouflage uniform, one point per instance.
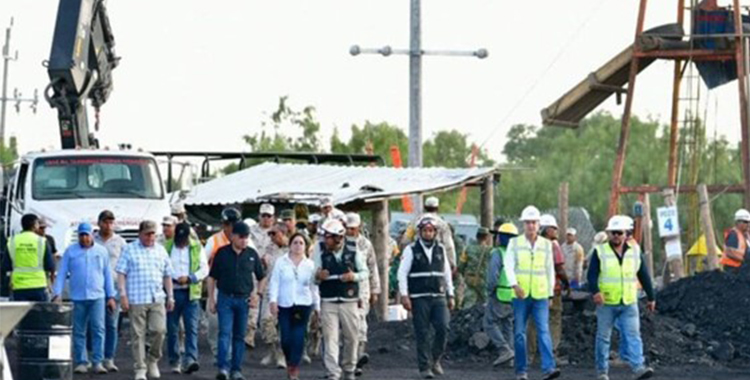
[[366, 288], [268, 322], [262, 241], [472, 266]]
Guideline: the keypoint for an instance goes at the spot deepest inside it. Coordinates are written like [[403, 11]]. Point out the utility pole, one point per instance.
[[415, 54], [17, 96]]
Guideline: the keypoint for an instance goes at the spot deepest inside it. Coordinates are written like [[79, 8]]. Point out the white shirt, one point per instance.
[[180, 258], [293, 285], [405, 267]]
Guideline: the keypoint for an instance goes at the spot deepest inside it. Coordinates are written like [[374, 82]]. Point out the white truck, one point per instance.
[[67, 187]]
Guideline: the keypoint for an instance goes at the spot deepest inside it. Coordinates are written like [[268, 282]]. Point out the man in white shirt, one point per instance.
[[424, 281], [189, 269]]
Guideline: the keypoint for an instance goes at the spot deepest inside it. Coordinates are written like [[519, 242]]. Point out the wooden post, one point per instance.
[[488, 202], [675, 265], [380, 241], [648, 240], [562, 209], [708, 227]]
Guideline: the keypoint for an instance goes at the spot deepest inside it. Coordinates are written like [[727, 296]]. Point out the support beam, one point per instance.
[[380, 241], [614, 198], [707, 223], [674, 126], [488, 202], [741, 56], [562, 208], [648, 240], [675, 265], [682, 189]]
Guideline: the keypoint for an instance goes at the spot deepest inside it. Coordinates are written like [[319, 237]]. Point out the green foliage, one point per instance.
[[382, 136], [9, 154], [281, 120]]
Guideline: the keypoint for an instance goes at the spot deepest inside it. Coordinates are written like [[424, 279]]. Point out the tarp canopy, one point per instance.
[[272, 182]]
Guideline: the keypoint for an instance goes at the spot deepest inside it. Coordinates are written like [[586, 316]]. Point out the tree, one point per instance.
[[281, 122], [381, 136]]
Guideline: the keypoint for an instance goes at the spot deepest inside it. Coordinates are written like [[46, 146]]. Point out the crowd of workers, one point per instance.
[[310, 286]]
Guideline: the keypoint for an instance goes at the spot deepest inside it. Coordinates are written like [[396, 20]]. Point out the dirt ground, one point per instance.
[[398, 364]]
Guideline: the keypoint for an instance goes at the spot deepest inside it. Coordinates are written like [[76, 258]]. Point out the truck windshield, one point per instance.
[[96, 177]]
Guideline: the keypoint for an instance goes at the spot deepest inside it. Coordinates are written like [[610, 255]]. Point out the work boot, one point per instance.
[[552, 375], [437, 368], [99, 369], [643, 373], [140, 374], [504, 358], [280, 359], [109, 364], [222, 375], [427, 374], [364, 357], [191, 367], [153, 370]]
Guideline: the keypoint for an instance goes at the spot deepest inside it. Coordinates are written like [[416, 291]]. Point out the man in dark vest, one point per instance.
[[339, 269], [426, 287]]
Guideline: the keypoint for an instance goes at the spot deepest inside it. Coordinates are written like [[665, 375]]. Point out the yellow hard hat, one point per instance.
[[508, 228]]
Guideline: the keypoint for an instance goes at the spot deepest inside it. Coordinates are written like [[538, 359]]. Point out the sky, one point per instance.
[[198, 75]]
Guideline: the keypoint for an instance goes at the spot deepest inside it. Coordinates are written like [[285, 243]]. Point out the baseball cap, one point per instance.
[[169, 221], [432, 202], [106, 215], [267, 208], [353, 220], [85, 228], [572, 231], [241, 229], [326, 201], [147, 226], [287, 214], [182, 232]]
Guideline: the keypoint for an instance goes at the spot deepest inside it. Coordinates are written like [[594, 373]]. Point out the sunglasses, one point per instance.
[[617, 233], [266, 216], [743, 221], [272, 233]]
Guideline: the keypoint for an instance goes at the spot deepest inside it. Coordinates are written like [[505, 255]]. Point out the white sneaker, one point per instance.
[[140, 374], [176, 369], [81, 368], [110, 366], [99, 369], [153, 371]]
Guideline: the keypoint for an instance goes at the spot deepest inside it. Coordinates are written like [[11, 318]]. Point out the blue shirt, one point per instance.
[[145, 269], [90, 274]]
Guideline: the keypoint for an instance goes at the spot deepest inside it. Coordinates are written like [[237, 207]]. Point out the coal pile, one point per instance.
[[714, 308]]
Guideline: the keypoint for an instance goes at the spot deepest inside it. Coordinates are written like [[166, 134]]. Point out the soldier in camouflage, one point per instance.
[[268, 323], [472, 266], [259, 236]]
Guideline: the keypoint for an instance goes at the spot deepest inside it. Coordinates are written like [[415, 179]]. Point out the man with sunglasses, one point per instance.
[[614, 272], [530, 270], [339, 269], [268, 323], [144, 272], [736, 242], [262, 241]]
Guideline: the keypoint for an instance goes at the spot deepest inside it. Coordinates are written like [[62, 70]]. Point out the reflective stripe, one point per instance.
[[426, 274], [618, 281], [422, 295], [532, 272], [339, 299], [334, 277]]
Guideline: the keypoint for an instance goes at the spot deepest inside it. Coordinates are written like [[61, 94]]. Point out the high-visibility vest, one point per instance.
[[195, 252], [618, 282], [27, 254], [503, 292], [741, 246], [531, 266], [219, 240]]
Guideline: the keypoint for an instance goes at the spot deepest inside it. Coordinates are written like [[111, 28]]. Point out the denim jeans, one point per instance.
[[293, 326], [426, 312], [538, 310], [88, 315], [233, 313], [189, 312], [38, 295], [627, 320], [110, 335], [498, 324]]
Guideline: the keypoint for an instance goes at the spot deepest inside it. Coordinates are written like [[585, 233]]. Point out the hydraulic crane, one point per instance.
[[80, 68]]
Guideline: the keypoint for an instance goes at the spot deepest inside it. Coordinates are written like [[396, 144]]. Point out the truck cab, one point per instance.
[[68, 187]]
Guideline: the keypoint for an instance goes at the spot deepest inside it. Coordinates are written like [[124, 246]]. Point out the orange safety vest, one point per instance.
[[742, 247], [219, 240]]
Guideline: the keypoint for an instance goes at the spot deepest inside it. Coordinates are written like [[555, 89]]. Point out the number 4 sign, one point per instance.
[[669, 224]]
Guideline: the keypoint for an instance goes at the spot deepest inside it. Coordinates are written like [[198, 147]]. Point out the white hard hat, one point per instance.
[[530, 214], [169, 221], [629, 222], [326, 201], [425, 221], [618, 223], [547, 220], [315, 218], [250, 222], [267, 208], [178, 208], [571, 231], [742, 215], [353, 220], [333, 227], [432, 202]]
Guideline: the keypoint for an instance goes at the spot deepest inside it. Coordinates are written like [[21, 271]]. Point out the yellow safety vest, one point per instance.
[[618, 283], [195, 250], [27, 254], [531, 266]]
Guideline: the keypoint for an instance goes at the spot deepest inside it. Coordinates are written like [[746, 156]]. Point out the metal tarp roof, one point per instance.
[[308, 183]]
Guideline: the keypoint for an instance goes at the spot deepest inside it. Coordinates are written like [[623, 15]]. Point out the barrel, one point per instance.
[[44, 342]]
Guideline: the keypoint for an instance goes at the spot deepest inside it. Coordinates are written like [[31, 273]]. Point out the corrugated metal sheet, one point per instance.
[[345, 184]]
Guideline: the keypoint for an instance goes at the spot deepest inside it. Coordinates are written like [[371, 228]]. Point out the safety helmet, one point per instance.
[[353, 220], [508, 228], [230, 215], [427, 221], [618, 223], [629, 222], [530, 214], [333, 227], [547, 220], [432, 202], [742, 215]]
